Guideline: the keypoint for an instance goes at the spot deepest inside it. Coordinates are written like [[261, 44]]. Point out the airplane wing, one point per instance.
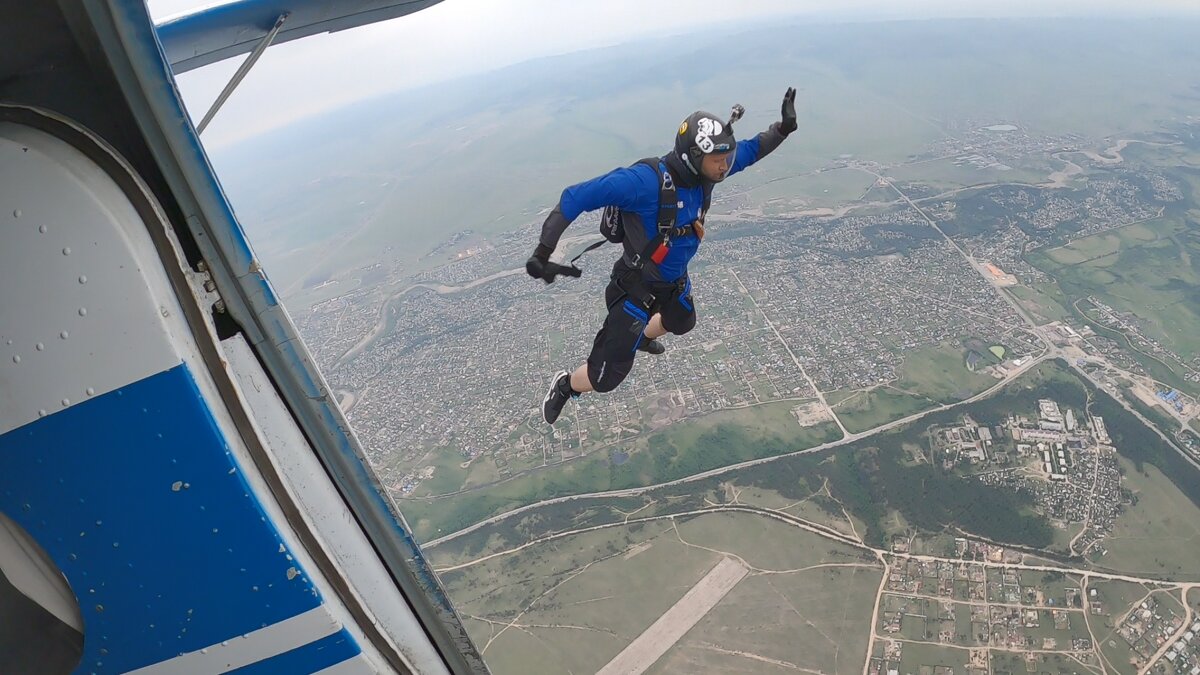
[[227, 30]]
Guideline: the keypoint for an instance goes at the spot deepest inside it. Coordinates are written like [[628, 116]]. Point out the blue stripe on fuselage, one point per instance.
[[136, 497]]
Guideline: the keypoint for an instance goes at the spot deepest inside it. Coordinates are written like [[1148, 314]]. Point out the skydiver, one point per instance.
[[649, 293]]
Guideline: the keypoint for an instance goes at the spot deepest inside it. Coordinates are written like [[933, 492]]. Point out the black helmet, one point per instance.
[[704, 133]]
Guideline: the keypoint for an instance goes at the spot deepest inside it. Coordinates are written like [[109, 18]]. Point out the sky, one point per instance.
[[299, 79]]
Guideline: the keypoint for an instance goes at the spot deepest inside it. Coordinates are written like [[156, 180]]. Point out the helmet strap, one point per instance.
[[687, 160]]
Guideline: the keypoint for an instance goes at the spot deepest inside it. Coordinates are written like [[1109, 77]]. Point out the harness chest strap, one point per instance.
[[668, 205]]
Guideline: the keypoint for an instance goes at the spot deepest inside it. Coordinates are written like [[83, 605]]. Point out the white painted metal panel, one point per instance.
[[140, 330], [77, 316]]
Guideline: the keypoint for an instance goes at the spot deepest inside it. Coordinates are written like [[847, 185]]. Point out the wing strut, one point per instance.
[[241, 72]]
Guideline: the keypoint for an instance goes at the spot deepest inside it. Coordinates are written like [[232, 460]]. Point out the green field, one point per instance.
[[940, 374], [879, 406], [814, 619], [828, 188], [766, 419], [577, 601], [813, 590], [1100, 249], [1157, 414], [1064, 536], [607, 606], [836, 398], [1158, 536], [916, 657], [946, 174], [763, 543], [1044, 301], [815, 505], [1115, 599], [448, 474], [1151, 270], [927, 377], [683, 449], [1044, 664]]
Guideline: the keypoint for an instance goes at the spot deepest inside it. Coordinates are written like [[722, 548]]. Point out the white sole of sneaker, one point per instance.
[[549, 393]]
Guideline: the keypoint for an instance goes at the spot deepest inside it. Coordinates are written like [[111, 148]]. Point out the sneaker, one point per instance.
[[557, 397], [651, 346]]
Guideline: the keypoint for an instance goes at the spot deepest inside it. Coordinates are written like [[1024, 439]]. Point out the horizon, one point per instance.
[[353, 66]]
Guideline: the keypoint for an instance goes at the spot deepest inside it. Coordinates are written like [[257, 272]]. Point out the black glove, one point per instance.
[[538, 266], [788, 124]]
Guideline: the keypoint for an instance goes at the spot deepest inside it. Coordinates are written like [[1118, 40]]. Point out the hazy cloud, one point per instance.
[[459, 37]]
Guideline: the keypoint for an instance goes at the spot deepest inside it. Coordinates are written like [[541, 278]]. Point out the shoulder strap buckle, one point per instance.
[[667, 212]]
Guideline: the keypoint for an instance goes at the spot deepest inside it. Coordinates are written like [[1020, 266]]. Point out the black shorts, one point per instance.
[[631, 303]]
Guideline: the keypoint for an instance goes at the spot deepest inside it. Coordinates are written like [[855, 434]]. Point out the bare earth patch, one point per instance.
[[811, 414]]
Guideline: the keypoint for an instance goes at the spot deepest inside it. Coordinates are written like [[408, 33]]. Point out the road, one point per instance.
[[1184, 420], [888, 560], [1187, 622], [828, 533], [979, 269], [1191, 459], [771, 325], [631, 492]]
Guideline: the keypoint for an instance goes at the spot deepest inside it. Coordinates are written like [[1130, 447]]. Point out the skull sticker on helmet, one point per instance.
[[708, 127]]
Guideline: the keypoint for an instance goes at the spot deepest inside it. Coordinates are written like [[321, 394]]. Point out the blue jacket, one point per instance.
[[635, 190]]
